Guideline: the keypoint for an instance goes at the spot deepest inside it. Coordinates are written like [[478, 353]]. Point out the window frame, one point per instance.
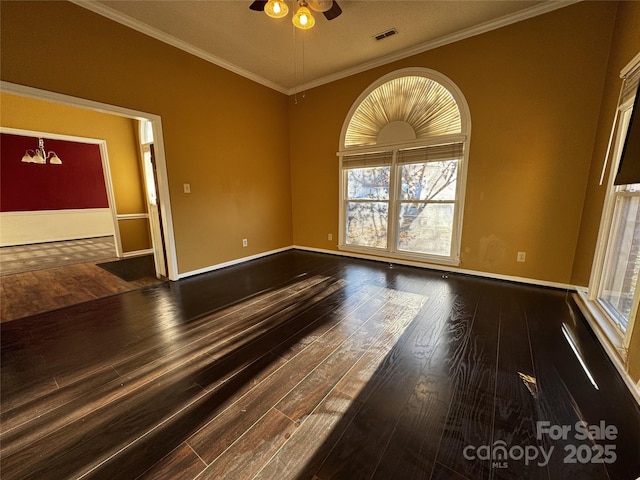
[[618, 193], [617, 336], [393, 251]]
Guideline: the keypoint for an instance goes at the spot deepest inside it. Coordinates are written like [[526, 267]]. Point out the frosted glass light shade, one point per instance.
[[276, 8], [55, 160], [303, 19]]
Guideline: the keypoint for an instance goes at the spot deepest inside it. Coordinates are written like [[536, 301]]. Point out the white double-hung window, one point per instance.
[[402, 168], [614, 288]]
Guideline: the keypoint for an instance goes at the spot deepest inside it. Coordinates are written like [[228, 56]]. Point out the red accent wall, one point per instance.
[[76, 184]]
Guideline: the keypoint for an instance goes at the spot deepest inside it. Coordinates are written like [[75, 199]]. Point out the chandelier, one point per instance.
[[40, 155], [302, 19]]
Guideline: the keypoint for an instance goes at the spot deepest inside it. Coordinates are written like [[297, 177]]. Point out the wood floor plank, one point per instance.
[[52, 399], [312, 441], [247, 455], [440, 472], [180, 464]]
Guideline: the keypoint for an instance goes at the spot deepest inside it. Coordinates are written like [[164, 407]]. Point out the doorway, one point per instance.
[[160, 221]]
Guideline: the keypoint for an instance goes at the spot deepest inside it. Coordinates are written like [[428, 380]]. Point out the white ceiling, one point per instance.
[[254, 45]]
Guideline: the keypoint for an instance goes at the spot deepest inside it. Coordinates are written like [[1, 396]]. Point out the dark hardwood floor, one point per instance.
[[310, 366]]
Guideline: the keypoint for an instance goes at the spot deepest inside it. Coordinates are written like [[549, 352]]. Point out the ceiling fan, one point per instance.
[[302, 18]]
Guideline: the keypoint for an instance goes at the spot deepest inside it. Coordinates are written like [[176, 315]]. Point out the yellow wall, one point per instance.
[[119, 133], [217, 126], [135, 234], [534, 91]]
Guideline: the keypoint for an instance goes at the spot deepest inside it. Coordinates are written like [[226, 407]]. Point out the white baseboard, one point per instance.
[[232, 262], [137, 253], [444, 268]]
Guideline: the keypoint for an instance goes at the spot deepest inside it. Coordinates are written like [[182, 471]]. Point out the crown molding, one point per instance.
[[152, 32], [504, 21], [540, 9]]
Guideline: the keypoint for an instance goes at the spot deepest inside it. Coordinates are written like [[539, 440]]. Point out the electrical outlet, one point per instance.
[[186, 187], [330, 236], [244, 242], [522, 256]]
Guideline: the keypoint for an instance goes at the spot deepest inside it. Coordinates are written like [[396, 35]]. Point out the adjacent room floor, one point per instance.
[[40, 256], [302, 365], [46, 276]]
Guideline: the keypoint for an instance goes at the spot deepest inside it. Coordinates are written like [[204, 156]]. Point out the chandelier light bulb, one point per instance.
[[303, 18], [276, 8]]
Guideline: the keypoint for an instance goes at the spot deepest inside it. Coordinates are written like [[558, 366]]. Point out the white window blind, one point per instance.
[[432, 153], [379, 159]]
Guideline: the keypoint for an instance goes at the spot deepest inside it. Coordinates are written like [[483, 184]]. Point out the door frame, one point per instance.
[[161, 164], [106, 171], [155, 223]]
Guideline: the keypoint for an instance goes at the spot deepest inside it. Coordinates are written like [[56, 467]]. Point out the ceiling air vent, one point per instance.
[[386, 34]]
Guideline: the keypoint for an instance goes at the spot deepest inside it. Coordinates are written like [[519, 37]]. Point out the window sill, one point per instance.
[[608, 334]]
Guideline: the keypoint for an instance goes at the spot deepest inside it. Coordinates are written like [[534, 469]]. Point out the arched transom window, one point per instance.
[[402, 163]]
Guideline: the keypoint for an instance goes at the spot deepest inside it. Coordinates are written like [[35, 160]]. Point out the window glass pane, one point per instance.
[[149, 178], [429, 181], [370, 183], [146, 131], [620, 275], [367, 224], [425, 228]]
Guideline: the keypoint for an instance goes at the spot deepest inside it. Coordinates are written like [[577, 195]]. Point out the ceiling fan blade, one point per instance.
[[258, 5], [333, 12]]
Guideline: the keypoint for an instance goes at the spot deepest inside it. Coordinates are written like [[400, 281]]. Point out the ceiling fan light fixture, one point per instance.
[[276, 8], [320, 5], [303, 18]]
